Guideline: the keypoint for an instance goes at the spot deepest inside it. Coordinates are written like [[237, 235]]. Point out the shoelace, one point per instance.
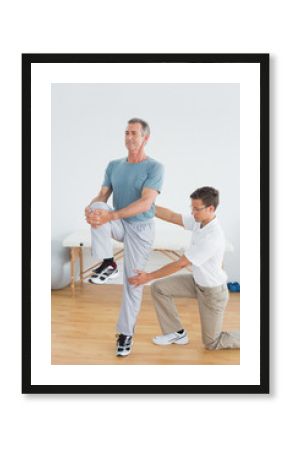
[[108, 270], [104, 266]]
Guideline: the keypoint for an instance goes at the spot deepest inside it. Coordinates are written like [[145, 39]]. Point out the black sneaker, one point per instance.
[[103, 266], [124, 344], [104, 272]]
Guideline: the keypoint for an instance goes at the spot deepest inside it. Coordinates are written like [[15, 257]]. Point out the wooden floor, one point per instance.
[[83, 330]]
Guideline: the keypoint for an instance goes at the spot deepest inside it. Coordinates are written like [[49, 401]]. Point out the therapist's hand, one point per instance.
[[140, 278]]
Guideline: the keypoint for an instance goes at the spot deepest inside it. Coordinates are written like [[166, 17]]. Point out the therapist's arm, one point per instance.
[[168, 215], [165, 271]]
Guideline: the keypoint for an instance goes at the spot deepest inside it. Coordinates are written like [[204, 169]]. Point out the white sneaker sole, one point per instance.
[[127, 352], [181, 341], [124, 353], [98, 281]]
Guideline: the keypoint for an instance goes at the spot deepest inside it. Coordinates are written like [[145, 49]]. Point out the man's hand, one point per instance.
[[140, 278], [97, 217], [101, 216], [89, 216]]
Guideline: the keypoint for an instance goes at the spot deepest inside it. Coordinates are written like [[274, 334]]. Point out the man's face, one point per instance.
[[200, 212], [134, 137]]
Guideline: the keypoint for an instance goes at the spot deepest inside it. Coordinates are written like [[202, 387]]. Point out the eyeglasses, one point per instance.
[[198, 209]]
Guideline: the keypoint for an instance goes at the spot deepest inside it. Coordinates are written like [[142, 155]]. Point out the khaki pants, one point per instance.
[[211, 301]]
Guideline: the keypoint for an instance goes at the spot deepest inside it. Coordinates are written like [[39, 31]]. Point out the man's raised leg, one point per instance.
[[102, 247]]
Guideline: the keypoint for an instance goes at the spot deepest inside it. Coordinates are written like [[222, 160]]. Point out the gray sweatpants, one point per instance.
[[211, 302], [138, 240]]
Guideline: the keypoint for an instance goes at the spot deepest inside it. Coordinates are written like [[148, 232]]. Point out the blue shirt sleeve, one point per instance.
[[107, 178], [155, 177]]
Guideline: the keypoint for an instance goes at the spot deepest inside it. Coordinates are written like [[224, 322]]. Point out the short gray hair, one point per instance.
[[144, 125]]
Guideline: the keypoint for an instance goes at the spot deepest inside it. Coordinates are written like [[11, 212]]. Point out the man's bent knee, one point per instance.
[[99, 205], [160, 287], [155, 287]]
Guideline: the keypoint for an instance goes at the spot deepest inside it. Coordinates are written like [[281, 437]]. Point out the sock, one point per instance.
[[180, 331], [109, 260]]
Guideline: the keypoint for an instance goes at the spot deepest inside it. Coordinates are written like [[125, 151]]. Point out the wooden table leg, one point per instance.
[[72, 268], [81, 265]]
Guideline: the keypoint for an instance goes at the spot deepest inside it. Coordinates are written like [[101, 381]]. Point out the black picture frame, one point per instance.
[[263, 61]]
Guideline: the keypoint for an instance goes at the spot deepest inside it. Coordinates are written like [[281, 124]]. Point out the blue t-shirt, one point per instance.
[[127, 181]]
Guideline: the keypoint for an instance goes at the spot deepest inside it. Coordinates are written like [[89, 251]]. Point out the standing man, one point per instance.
[[135, 182], [208, 280]]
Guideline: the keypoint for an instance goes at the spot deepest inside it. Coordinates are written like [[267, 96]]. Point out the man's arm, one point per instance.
[[103, 195], [168, 215], [169, 269], [148, 197]]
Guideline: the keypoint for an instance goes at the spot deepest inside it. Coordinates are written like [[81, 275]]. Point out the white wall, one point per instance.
[[194, 133]]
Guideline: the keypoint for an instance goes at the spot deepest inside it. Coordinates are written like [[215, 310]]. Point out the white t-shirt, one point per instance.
[[206, 252]]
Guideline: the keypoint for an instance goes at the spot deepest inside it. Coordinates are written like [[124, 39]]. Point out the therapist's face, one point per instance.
[[202, 213]]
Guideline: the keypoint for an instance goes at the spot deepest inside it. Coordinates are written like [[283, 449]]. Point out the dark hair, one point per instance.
[[208, 195], [144, 125]]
